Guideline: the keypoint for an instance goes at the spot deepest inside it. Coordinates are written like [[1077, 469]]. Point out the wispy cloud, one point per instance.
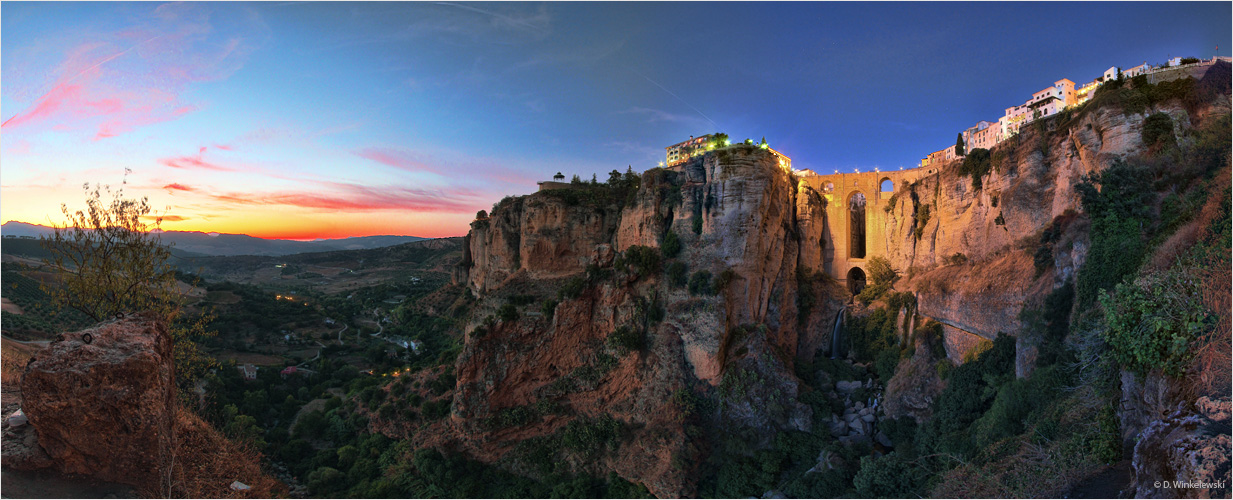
[[195, 162], [175, 186], [537, 23], [123, 80], [660, 116], [485, 171], [359, 198]]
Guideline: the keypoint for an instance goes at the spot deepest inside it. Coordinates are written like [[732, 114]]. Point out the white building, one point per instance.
[[1141, 69], [984, 134]]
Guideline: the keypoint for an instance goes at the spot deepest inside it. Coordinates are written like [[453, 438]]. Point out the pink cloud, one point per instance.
[[195, 162], [400, 159], [357, 198], [178, 187], [136, 76]]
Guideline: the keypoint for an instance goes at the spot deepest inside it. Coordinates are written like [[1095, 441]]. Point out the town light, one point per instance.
[[661, 163]]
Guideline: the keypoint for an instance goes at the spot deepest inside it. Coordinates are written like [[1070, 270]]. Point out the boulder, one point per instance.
[[882, 438], [857, 426], [847, 386], [838, 428], [17, 419], [869, 418], [105, 408]]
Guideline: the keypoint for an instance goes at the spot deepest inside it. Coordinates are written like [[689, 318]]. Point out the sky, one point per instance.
[[311, 120]]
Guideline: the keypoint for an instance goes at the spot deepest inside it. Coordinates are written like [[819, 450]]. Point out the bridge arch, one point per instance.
[[856, 280], [886, 185], [857, 206]]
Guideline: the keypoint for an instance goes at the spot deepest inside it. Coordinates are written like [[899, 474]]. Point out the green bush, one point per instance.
[[1153, 321], [1119, 210], [677, 273], [882, 278], [572, 288], [549, 308], [920, 219], [671, 246], [872, 334], [1158, 128], [885, 364], [626, 339], [977, 164], [724, 279], [1107, 445], [888, 476], [640, 260], [508, 312], [700, 283], [696, 223]]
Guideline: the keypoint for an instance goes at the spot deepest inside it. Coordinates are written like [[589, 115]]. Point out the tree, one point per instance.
[[110, 262], [959, 145]]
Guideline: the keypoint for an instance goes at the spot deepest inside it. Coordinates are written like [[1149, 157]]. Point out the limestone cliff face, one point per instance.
[[541, 234], [994, 229], [740, 217]]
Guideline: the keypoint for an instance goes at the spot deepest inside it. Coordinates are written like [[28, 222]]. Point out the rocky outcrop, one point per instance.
[[1185, 454], [737, 214], [104, 408]]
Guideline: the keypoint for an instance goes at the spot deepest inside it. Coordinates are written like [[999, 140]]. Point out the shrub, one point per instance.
[[508, 312], [671, 246], [572, 288], [977, 164], [882, 278], [641, 260], [1107, 445], [888, 476], [724, 279], [549, 308], [920, 219], [1153, 321], [696, 223], [1158, 128], [700, 283], [626, 339], [954, 260], [677, 273], [873, 334]]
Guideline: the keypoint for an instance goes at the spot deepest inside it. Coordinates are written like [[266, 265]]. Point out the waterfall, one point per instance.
[[835, 333]]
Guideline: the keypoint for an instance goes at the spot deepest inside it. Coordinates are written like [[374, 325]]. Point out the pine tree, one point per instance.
[[959, 145]]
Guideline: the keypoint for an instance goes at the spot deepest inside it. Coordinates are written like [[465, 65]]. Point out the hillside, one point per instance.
[[194, 242]]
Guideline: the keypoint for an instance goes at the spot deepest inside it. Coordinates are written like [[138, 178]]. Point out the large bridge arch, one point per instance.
[[840, 254], [858, 224]]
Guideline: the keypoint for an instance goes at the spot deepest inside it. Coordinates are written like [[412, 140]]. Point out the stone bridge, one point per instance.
[[855, 222]]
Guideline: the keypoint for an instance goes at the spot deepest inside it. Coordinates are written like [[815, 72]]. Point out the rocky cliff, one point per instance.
[[590, 318], [746, 227]]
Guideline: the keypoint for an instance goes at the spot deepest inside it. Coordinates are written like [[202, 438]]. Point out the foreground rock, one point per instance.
[[1185, 454], [105, 408]]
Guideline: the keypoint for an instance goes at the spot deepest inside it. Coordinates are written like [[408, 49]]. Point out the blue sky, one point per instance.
[[335, 119]]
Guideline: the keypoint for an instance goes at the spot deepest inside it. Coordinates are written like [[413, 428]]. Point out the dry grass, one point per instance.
[[1211, 373], [205, 463], [1033, 468], [14, 358]]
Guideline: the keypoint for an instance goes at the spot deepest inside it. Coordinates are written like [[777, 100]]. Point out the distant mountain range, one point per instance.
[[194, 242]]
